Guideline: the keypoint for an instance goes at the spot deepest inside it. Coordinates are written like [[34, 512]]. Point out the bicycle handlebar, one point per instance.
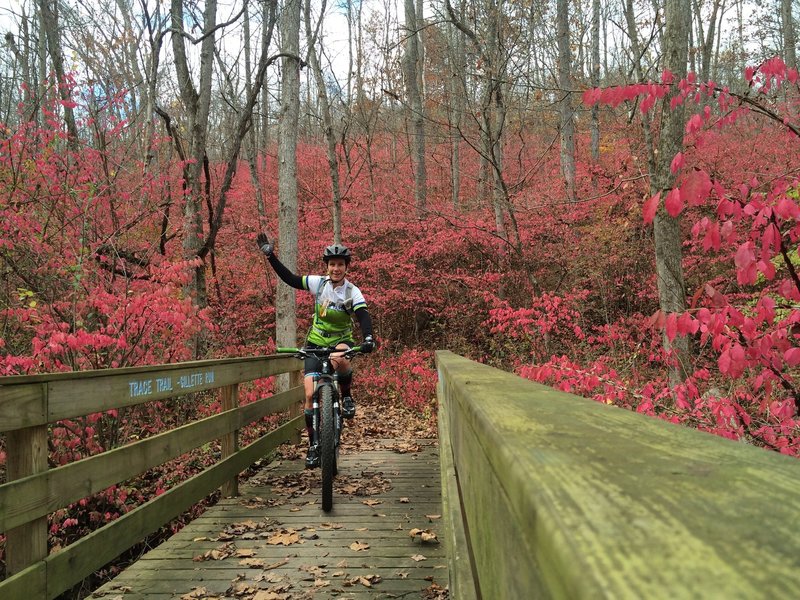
[[319, 352]]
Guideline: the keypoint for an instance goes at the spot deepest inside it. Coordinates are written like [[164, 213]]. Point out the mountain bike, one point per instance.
[[327, 418]]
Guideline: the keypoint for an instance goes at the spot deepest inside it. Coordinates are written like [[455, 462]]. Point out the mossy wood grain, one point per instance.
[[570, 498], [463, 584], [25, 499], [29, 584]]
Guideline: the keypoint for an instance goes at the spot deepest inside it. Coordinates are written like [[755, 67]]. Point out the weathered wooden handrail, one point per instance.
[[552, 495], [29, 403]]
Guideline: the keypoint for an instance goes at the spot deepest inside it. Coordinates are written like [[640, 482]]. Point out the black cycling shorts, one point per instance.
[[313, 365]]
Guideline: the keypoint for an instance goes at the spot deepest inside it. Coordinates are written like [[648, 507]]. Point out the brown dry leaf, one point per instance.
[[358, 546], [404, 500], [315, 570], [245, 553], [275, 565], [246, 528], [405, 447], [425, 535], [320, 583], [285, 537], [330, 526], [366, 580], [201, 539], [272, 578], [220, 553], [435, 592], [269, 595], [418, 557], [402, 574], [200, 592], [254, 502], [252, 563], [242, 588], [434, 517], [371, 502]]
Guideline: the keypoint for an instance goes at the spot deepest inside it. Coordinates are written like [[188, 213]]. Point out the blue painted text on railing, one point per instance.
[[160, 385]]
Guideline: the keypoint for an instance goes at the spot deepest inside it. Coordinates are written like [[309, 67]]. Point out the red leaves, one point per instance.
[[792, 356], [745, 260], [732, 361], [674, 203], [677, 163], [694, 124], [650, 208], [696, 187]]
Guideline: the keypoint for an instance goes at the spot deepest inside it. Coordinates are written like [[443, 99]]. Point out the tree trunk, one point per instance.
[[564, 82], [457, 96], [251, 145], [198, 106], [667, 229], [637, 67], [286, 307], [789, 37], [705, 39], [411, 62], [327, 121], [49, 14], [263, 143], [595, 124]]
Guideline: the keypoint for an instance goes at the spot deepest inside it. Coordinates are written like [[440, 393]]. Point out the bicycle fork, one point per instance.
[[315, 419]]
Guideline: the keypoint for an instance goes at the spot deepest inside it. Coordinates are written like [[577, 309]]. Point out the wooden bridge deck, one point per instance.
[[275, 542]]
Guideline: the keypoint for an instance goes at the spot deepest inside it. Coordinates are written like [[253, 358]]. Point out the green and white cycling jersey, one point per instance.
[[333, 310]]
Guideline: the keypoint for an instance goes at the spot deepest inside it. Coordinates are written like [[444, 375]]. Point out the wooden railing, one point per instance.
[[548, 495], [29, 403]]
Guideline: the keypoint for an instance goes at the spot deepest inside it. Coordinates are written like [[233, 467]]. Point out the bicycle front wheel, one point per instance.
[[327, 445]]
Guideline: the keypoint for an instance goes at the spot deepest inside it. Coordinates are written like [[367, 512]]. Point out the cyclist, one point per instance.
[[336, 301]]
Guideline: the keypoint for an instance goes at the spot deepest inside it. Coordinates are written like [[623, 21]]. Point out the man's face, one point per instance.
[[337, 269]]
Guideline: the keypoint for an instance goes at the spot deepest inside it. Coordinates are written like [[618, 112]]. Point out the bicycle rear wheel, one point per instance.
[[327, 445]]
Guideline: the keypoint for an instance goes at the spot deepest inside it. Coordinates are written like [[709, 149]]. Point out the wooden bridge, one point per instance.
[[528, 493]]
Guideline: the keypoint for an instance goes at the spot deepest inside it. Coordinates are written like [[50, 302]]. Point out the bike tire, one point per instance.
[[327, 445]]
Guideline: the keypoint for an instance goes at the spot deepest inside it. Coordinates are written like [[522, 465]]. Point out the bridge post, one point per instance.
[[26, 455], [295, 380], [230, 441]]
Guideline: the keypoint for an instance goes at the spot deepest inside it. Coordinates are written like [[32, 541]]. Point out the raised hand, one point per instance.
[[264, 244]]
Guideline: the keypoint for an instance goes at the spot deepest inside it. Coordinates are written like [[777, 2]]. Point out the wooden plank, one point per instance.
[[83, 396], [28, 584], [26, 455], [599, 501], [322, 562], [12, 380], [35, 496], [463, 582], [23, 398], [23, 405], [76, 561]]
